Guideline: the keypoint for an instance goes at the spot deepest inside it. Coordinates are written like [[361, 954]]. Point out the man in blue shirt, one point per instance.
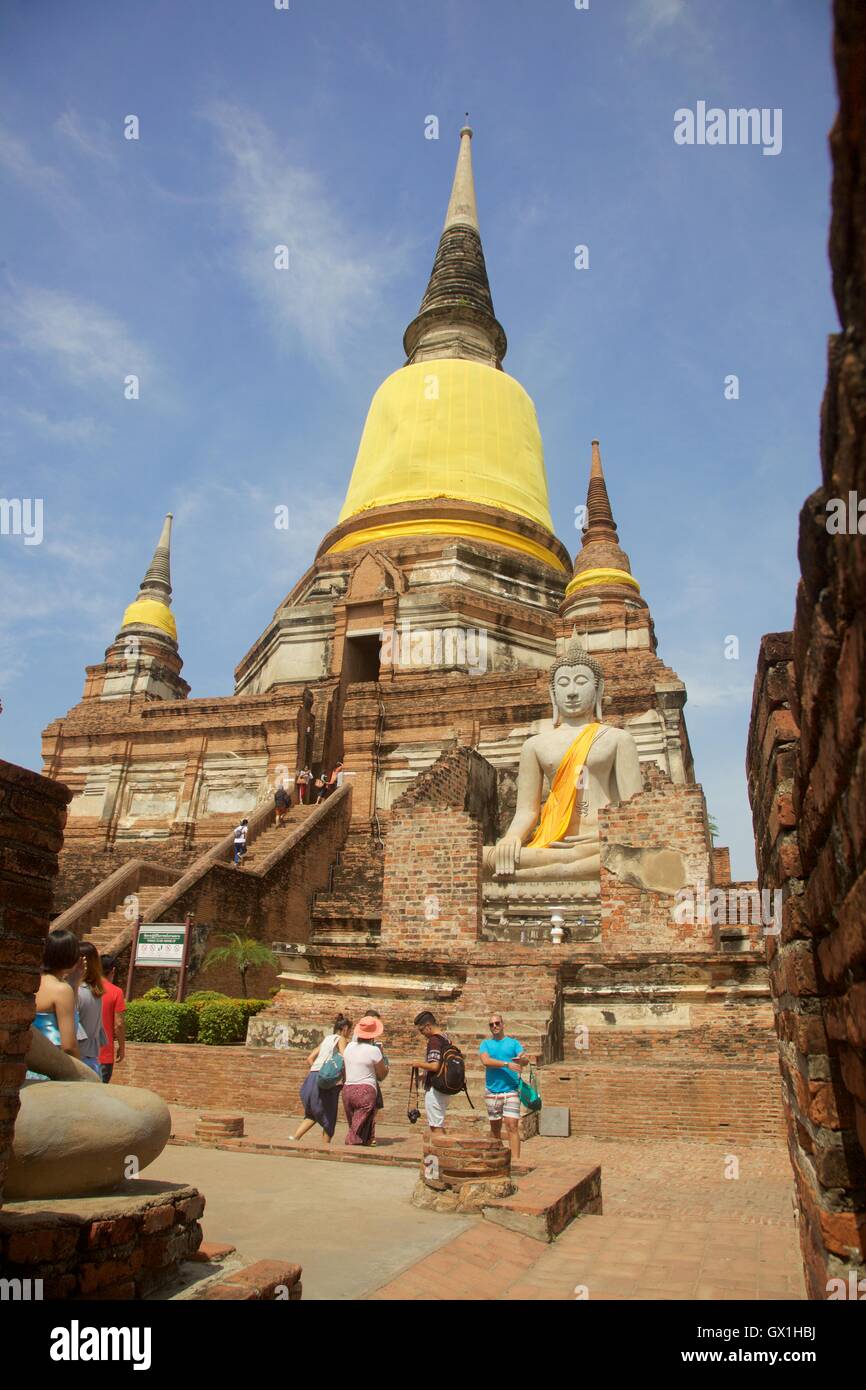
[[501, 1055]]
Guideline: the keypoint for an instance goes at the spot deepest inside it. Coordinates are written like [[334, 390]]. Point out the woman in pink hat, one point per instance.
[[365, 1067]]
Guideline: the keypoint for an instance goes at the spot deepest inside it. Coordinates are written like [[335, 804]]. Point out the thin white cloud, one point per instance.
[[85, 342], [76, 431], [718, 694], [327, 295], [17, 160], [652, 20], [92, 139]]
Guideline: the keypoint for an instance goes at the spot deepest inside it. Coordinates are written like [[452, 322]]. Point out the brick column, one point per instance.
[[32, 817], [432, 885]]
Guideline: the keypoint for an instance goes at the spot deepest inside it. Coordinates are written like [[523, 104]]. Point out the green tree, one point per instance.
[[243, 952], [714, 829]]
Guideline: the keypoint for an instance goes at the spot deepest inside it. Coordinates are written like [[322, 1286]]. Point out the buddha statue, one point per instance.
[[587, 765]]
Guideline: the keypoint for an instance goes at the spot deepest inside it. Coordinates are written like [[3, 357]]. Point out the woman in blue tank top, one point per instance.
[[56, 1011]]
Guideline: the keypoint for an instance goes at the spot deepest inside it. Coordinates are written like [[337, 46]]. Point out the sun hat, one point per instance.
[[368, 1028]]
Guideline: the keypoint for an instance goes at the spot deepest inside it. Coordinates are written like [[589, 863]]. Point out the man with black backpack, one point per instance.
[[444, 1071]]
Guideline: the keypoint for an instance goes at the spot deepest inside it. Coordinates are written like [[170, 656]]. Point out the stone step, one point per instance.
[[328, 906], [344, 938], [547, 1201], [351, 926]]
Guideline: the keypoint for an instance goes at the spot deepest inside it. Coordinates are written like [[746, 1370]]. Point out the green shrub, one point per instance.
[[200, 997], [161, 1021], [224, 1022], [156, 995]]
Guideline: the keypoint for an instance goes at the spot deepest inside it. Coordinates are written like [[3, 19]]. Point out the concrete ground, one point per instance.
[[350, 1227], [681, 1220]]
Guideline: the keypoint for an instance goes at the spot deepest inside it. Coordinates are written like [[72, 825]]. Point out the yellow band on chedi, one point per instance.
[[451, 428], [601, 576], [153, 614]]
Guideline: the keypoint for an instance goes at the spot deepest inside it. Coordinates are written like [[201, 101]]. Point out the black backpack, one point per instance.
[[451, 1076]]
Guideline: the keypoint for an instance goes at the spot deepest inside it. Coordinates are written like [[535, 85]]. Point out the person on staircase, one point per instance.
[[240, 842], [282, 804], [320, 1103], [303, 781], [499, 1054]]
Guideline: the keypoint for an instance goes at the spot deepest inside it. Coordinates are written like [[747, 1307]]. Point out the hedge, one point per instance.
[[223, 1022], [160, 1022], [216, 1022]]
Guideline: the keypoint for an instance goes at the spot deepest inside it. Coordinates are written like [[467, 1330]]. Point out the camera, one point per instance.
[[413, 1116]]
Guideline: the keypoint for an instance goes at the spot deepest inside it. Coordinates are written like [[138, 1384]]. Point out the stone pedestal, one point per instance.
[[460, 1174], [210, 1127]]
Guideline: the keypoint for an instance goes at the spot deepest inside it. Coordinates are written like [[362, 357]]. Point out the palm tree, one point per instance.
[[242, 952], [714, 829]]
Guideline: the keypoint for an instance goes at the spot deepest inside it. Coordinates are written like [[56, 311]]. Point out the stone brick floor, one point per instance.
[[674, 1227]]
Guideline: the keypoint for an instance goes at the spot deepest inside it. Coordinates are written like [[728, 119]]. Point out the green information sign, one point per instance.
[[161, 943]]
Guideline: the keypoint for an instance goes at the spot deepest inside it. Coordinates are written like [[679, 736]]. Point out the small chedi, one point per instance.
[[587, 764]]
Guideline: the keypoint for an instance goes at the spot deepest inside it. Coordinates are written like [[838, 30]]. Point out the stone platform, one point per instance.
[[121, 1245]]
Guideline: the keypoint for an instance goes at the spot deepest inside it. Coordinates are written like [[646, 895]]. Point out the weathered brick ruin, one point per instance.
[[807, 761], [32, 817]]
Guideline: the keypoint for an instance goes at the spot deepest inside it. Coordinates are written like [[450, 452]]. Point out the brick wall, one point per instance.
[[32, 817], [627, 1100], [807, 760], [432, 879], [665, 816]]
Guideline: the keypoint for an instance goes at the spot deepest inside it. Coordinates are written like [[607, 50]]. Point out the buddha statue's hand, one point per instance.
[[507, 855]]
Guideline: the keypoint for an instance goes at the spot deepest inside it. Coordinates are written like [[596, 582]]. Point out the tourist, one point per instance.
[[499, 1053], [240, 841], [113, 1022], [336, 779], [435, 1102], [303, 779], [320, 1106], [56, 1010], [90, 992], [365, 1066], [282, 803], [319, 787], [380, 1100]]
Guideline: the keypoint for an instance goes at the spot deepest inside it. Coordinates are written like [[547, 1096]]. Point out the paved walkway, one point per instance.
[[674, 1225], [350, 1228]]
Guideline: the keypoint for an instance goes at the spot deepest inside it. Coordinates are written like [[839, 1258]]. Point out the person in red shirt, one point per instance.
[[113, 1009]]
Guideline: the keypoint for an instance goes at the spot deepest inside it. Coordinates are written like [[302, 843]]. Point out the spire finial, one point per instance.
[[462, 210], [157, 580], [456, 317], [599, 516]]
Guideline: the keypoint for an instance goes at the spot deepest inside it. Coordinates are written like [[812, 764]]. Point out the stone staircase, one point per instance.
[[350, 913], [269, 840], [109, 927], [529, 1002]]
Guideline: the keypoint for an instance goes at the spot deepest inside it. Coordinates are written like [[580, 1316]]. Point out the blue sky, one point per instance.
[[306, 126]]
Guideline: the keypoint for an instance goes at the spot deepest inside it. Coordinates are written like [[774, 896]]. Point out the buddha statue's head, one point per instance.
[[576, 685]]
